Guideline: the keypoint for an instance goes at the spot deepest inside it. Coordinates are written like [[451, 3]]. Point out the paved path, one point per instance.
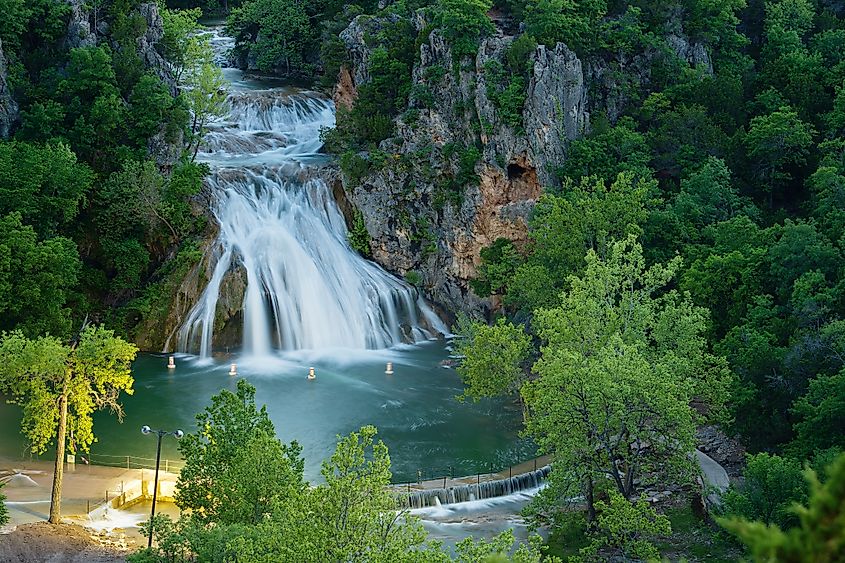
[[84, 487]]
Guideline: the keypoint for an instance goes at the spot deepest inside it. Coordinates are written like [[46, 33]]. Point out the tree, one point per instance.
[[623, 357], [494, 358], [821, 413], [60, 386], [587, 214], [565, 21], [182, 46], [235, 468], [248, 501], [206, 96], [820, 535], [771, 485], [37, 279], [4, 512], [499, 261], [777, 143], [44, 183], [355, 514], [464, 24], [276, 34], [624, 525]]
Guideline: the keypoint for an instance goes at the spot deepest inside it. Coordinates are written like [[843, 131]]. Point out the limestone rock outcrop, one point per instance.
[[79, 32], [8, 105], [416, 220]]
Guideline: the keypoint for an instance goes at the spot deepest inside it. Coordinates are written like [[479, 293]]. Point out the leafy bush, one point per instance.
[[359, 238], [464, 24], [626, 526], [4, 512], [771, 485]]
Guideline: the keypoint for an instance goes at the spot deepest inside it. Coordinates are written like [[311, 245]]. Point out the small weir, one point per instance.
[[475, 491]]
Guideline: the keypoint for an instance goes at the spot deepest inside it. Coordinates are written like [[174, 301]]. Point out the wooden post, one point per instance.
[[127, 462]]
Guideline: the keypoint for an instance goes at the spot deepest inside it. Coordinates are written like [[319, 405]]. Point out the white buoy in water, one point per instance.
[[311, 374], [171, 362], [233, 370], [389, 370]]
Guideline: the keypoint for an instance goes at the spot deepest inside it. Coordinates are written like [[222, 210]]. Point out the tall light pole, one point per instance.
[[161, 433]]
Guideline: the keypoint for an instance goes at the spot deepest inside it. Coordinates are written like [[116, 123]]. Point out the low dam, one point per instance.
[[475, 491]]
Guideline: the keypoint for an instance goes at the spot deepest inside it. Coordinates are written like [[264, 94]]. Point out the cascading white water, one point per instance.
[[306, 288]]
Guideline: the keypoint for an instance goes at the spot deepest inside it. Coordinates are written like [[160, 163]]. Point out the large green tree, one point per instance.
[[60, 386], [235, 468], [623, 357], [37, 279]]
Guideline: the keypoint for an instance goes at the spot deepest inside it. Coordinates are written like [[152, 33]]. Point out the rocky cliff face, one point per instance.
[[8, 106], [412, 225]]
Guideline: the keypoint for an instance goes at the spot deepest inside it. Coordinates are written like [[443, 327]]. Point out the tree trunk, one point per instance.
[[591, 507], [58, 472]]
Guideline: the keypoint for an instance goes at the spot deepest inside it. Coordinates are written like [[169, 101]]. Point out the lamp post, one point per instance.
[[161, 433]]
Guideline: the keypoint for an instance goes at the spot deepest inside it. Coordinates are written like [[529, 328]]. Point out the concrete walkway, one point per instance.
[[84, 487]]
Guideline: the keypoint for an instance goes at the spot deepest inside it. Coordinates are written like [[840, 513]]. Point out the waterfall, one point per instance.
[[306, 288], [475, 491]]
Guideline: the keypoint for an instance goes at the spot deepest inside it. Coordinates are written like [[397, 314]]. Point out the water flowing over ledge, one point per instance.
[[281, 231], [475, 491]]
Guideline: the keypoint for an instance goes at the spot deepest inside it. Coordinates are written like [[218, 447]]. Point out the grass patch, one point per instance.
[[695, 539]]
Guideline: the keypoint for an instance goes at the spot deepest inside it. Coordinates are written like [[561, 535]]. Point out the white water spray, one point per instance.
[[305, 287]]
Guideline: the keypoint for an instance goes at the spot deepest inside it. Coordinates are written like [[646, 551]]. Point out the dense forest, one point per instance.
[[683, 266]]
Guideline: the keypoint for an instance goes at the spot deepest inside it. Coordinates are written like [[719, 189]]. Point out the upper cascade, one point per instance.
[[306, 288]]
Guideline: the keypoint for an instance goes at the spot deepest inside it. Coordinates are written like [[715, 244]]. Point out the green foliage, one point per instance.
[[623, 526], [494, 359], [820, 536], [586, 216], [35, 373], [623, 355], [4, 512], [413, 277], [277, 34], [499, 262], [821, 414], [45, 184], [206, 99], [464, 24], [384, 96], [248, 501], [60, 387], [771, 486], [776, 144], [359, 238], [235, 469], [508, 97], [181, 45], [564, 21], [608, 152], [37, 279]]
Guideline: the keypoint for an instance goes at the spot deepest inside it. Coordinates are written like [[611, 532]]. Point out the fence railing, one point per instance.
[[428, 478], [131, 462]]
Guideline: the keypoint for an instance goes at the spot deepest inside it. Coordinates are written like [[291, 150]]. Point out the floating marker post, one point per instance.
[[389, 370], [171, 362], [311, 374], [233, 370]]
